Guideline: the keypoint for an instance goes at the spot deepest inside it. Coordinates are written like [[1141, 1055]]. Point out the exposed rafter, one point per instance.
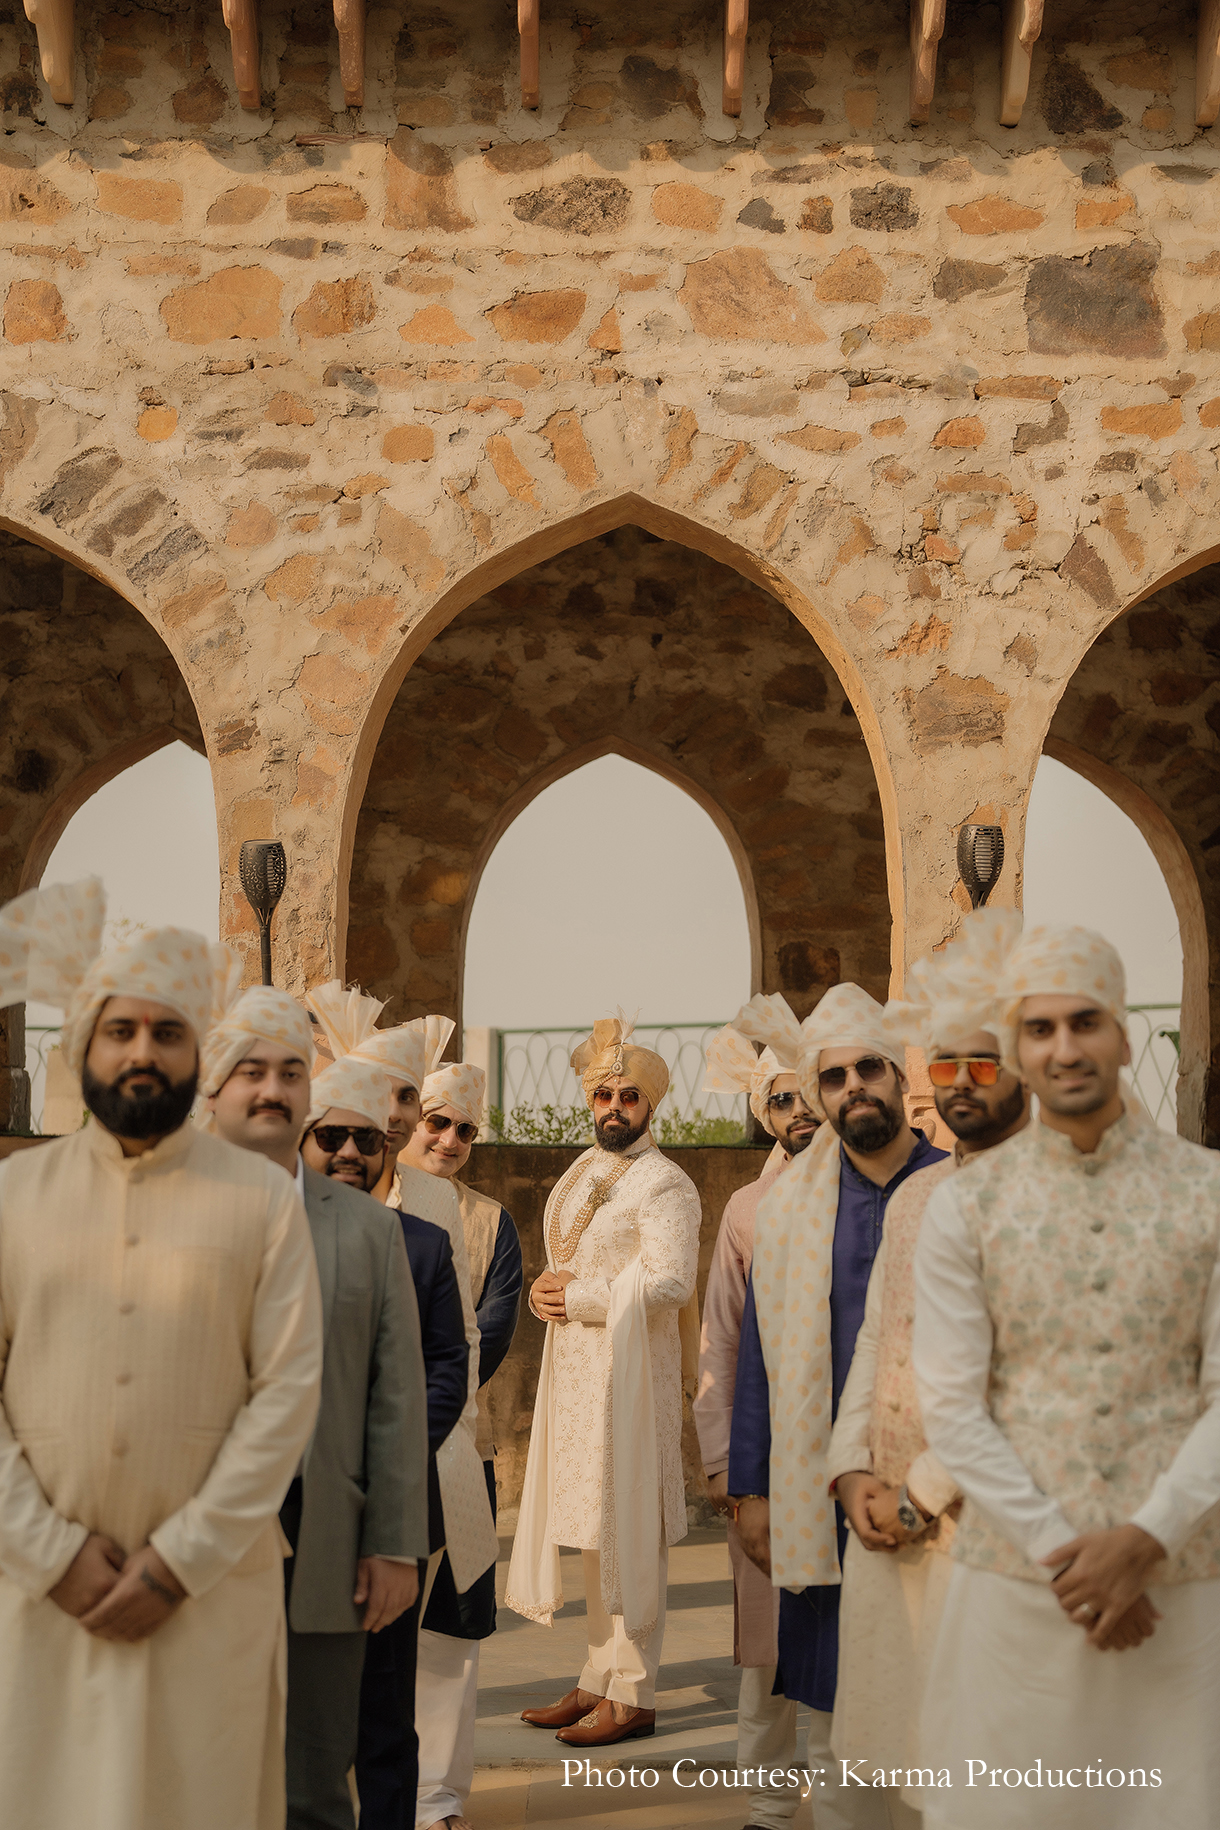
[[1022, 29], [1207, 70], [55, 23], [927, 29], [349, 23], [736, 24], [527, 24], [241, 17]]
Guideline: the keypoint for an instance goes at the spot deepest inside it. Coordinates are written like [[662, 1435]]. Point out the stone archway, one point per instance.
[[638, 644], [1140, 718]]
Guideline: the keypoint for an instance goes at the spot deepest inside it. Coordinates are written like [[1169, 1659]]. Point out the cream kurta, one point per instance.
[[161, 1334], [652, 1214]]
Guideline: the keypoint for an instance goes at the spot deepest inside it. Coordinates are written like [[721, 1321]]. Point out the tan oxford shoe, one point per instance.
[[556, 1715], [599, 1728]]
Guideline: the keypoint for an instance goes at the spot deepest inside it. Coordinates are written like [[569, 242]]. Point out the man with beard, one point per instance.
[[604, 1469], [1067, 1356], [899, 1500], [817, 1232], [161, 1351], [766, 1722], [356, 1513]]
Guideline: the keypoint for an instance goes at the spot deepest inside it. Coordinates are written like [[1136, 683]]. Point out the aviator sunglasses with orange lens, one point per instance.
[[627, 1097], [466, 1132], [984, 1070]]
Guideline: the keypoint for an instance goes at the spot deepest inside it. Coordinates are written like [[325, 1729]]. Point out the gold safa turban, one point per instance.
[[609, 1051]]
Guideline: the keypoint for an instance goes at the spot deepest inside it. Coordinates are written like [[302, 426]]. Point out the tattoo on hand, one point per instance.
[[159, 1588]]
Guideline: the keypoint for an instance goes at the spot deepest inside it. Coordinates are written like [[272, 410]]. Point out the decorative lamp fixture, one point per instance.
[[264, 872], [980, 859]]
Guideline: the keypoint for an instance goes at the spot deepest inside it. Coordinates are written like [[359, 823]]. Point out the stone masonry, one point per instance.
[[344, 405]]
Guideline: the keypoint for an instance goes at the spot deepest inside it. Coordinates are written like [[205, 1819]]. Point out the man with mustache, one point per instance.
[[355, 1513], [766, 1722], [901, 1503], [604, 1471], [161, 1351], [817, 1232], [1067, 1356]]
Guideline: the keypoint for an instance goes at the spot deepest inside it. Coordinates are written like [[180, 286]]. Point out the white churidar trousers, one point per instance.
[[766, 1736], [625, 1670], [446, 1694]]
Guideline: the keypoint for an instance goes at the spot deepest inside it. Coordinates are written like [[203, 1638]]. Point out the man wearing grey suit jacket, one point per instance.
[[356, 1515]]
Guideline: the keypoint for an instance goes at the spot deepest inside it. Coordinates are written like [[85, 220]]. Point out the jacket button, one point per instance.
[[895, 1404], [1091, 1166], [132, 1239], [119, 1448], [1095, 1226], [1103, 1409], [123, 1378], [126, 1308], [1099, 1283], [1105, 1346]]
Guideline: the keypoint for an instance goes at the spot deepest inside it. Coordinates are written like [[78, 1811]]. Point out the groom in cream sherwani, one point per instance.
[[605, 1456]]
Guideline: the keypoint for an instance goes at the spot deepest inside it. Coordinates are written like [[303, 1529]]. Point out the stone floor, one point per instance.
[[519, 1777]]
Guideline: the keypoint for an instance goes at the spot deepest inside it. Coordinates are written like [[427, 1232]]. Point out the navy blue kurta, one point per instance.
[[809, 1622]]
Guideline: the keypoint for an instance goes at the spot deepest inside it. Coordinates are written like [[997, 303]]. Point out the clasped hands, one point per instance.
[[1100, 1585], [872, 1511], [117, 1597], [548, 1295]]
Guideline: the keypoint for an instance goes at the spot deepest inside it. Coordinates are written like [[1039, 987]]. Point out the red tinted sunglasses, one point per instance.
[[983, 1070]]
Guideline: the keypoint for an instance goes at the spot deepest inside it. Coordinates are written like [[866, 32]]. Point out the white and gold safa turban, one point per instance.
[[1062, 961], [348, 1085], [459, 1084], [846, 1017], [50, 952], [261, 1013], [609, 1051], [733, 1067], [405, 1052], [952, 993]]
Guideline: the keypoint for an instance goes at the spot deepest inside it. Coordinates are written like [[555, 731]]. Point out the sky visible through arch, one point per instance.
[[615, 887]]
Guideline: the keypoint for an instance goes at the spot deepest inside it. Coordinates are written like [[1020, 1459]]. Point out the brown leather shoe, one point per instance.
[[599, 1728], [556, 1715]]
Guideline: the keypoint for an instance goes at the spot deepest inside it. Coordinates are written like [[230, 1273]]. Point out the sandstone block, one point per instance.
[[817, 215], [1088, 570], [686, 206], [758, 214], [241, 204], [408, 444], [736, 294], [1203, 332], [899, 327], [821, 438], [538, 317], [513, 475], [109, 103], [961, 433], [993, 216], [1071, 103], [1142, 70], [523, 156], [957, 279], [1209, 412], [435, 326], [1104, 303], [1018, 387], [139, 199], [885, 207], [1158, 420], [326, 203], [157, 423], [952, 711], [852, 277], [285, 409], [335, 308], [937, 547], [34, 313], [1100, 212], [406, 543], [202, 102], [25, 196], [236, 302], [295, 579], [581, 206], [570, 449], [252, 526], [420, 188], [367, 484], [888, 428]]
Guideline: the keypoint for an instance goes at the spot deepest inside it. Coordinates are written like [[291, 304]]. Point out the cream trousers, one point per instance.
[[622, 1669], [446, 1695]]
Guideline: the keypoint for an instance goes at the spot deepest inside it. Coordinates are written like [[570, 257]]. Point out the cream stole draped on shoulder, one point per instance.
[[480, 1225], [793, 1247]]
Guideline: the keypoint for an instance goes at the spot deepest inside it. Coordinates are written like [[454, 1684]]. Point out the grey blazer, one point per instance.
[[365, 1471]]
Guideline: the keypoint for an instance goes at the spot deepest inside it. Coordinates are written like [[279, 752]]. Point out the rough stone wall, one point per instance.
[[948, 393], [637, 644]]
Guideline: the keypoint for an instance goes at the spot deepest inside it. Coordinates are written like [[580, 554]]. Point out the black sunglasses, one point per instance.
[[330, 1139], [869, 1068], [466, 1132], [782, 1102]]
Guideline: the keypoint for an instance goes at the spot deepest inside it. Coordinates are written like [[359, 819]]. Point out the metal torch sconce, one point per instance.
[[980, 859], [264, 872]]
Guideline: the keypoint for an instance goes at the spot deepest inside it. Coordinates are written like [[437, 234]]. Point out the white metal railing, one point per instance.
[[1154, 1034]]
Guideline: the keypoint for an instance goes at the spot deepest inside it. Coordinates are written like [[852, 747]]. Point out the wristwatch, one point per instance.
[[912, 1520]]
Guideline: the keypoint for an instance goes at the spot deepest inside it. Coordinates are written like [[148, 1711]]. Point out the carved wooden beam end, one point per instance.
[[241, 18], [527, 24], [349, 22], [1022, 29], [927, 29], [55, 23], [1207, 70], [736, 25]]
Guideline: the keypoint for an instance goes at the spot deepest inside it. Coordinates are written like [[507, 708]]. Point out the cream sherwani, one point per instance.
[[604, 1472], [1067, 1352], [161, 1345]]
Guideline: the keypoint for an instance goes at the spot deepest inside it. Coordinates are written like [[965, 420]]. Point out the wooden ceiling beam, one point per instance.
[[241, 17], [1022, 29], [927, 29], [55, 23], [1207, 69], [736, 25], [349, 23], [528, 12]]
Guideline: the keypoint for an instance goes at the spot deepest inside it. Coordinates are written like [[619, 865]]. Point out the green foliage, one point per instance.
[[542, 1125], [678, 1133]]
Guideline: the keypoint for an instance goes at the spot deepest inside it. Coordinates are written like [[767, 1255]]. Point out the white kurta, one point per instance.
[[1045, 1282], [161, 1353]]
